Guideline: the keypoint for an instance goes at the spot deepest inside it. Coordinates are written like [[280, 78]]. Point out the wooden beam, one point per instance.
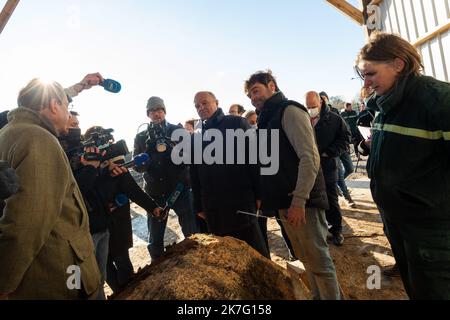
[[349, 10], [7, 12], [432, 34]]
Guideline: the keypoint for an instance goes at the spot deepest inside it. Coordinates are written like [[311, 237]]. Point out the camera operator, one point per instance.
[[107, 188], [163, 177]]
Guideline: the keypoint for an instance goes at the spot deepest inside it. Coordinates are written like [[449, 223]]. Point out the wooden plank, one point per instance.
[[349, 10], [433, 34], [7, 12]]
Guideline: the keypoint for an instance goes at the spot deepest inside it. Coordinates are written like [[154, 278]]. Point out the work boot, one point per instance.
[[392, 272], [337, 239]]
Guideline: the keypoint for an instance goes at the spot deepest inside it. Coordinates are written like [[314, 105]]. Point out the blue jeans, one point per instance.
[[101, 246], [156, 229], [347, 163], [345, 168]]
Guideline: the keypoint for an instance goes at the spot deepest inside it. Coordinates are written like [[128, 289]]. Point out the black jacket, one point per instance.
[[91, 185], [96, 194], [333, 139], [100, 190], [276, 189], [220, 190], [162, 175], [120, 228], [351, 118]]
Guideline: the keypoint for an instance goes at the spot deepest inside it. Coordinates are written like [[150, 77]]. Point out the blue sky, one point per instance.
[[173, 49]]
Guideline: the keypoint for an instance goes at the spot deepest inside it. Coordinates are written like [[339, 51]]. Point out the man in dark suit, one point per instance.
[[220, 190]]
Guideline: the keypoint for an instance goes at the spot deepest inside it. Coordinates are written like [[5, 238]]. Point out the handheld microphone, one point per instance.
[[140, 162], [111, 85], [171, 202], [120, 200]]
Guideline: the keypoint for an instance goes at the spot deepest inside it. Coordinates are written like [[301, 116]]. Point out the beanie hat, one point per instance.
[[155, 103]]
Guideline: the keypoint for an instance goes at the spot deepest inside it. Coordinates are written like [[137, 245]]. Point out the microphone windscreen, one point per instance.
[[111, 85], [141, 160]]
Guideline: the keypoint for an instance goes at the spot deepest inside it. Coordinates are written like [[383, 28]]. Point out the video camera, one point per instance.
[[104, 141], [101, 139], [157, 139]]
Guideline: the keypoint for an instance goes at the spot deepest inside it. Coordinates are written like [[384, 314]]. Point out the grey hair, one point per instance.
[[38, 94]]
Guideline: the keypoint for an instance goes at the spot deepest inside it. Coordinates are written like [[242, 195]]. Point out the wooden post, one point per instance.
[[6, 13], [349, 10]]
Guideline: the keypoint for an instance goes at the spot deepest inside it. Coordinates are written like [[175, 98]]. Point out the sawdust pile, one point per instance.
[[213, 268]]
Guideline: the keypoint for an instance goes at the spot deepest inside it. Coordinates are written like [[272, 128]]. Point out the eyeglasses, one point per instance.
[[362, 76], [358, 73]]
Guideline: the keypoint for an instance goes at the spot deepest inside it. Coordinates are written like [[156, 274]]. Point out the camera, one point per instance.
[[104, 141], [101, 139], [157, 139]]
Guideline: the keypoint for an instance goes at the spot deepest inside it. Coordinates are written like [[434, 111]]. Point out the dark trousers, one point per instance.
[[263, 227], [157, 228], [422, 253], [285, 236], [334, 215], [202, 225], [254, 238], [119, 271], [262, 222]]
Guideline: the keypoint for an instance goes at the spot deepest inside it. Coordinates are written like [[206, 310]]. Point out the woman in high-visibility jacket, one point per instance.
[[409, 163]]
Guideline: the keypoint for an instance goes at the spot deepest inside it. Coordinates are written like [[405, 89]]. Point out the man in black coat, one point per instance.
[[163, 178], [221, 190], [333, 138]]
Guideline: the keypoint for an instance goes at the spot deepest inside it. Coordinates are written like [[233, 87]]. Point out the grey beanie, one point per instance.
[[155, 103]]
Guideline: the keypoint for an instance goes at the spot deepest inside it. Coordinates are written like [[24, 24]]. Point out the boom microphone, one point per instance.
[[111, 85]]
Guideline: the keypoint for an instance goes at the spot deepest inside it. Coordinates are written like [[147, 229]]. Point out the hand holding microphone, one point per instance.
[[90, 80], [139, 163], [94, 79]]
